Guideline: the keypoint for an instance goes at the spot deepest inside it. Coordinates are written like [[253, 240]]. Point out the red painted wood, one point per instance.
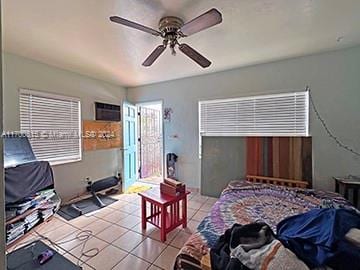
[[143, 213], [163, 224], [164, 210]]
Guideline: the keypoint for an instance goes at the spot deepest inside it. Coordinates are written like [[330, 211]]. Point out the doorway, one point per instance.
[[130, 145], [150, 142]]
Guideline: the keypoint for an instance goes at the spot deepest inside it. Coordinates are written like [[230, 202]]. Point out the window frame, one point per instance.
[[49, 95], [254, 97]]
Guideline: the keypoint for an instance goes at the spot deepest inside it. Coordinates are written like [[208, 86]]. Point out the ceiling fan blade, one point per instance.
[[204, 21], [194, 55], [135, 25], [154, 55]]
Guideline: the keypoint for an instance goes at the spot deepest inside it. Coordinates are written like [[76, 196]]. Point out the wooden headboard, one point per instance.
[[277, 181]]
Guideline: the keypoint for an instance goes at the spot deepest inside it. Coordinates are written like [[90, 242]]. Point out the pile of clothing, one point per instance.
[[309, 240]]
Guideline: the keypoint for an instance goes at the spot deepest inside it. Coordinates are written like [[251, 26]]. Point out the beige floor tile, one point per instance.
[[88, 248], [87, 267], [136, 201], [212, 200], [191, 226], [107, 258], [75, 260], [110, 234], [103, 212], [199, 198], [129, 208], [118, 205], [200, 215], [137, 213], [149, 250], [60, 232], [51, 225], [167, 259], [132, 262], [82, 221], [169, 236], [154, 267], [129, 240], [190, 213], [149, 229], [194, 205], [206, 207], [115, 217], [180, 239], [129, 197], [129, 222], [97, 226], [71, 241]]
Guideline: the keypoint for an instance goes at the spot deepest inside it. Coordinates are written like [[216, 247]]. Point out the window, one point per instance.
[[52, 123], [264, 116]]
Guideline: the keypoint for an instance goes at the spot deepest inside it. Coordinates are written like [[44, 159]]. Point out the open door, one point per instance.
[[150, 147], [150, 143], [130, 141]]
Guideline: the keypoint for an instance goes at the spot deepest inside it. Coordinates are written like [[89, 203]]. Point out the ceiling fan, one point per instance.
[[171, 29]]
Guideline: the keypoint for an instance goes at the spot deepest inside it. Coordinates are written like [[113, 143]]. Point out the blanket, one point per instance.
[[243, 203], [318, 237]]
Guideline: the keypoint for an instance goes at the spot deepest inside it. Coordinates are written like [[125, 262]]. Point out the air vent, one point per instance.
[[107, 112]]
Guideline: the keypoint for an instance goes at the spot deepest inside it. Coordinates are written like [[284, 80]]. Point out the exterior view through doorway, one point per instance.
[[150, 142]]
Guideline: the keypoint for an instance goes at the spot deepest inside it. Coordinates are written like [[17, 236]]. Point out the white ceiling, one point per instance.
[[77, 34]]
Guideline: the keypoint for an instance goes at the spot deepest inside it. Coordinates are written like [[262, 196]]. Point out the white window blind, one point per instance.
[[52, 123], [265, 115]]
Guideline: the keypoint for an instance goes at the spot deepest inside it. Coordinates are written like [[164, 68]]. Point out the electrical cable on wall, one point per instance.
[[330, 134]]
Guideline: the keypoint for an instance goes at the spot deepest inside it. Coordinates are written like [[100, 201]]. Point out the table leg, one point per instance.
[[184, 212], [143, 213], [163, 224]]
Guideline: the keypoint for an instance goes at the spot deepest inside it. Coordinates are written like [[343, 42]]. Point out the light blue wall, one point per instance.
[[20, 72], [334, 78]]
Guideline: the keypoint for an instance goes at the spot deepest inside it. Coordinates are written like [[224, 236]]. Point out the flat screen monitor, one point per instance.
[[17, 150]]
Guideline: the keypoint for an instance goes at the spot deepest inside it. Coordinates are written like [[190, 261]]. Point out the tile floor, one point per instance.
[[118, 237]]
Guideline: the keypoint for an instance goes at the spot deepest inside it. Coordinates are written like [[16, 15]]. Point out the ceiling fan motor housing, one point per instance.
[[173, 28], [170, 25]]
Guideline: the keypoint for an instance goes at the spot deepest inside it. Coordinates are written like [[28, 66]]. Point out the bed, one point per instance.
[[255, 199]]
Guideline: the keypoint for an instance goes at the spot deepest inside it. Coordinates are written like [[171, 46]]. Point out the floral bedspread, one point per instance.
[[243, 202]]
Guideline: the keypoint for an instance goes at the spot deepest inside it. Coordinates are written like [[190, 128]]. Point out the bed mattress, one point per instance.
[[243, 203]]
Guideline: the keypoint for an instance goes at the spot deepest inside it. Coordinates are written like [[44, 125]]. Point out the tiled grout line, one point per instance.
[[193, 198]]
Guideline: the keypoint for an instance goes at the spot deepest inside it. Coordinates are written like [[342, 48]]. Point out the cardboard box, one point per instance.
[[171, 190], [172, 182]]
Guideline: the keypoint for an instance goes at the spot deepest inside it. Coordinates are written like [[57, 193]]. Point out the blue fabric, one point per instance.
[[317, 237]]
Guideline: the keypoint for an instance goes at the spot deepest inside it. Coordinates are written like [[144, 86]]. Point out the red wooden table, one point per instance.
[[166, 212]]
